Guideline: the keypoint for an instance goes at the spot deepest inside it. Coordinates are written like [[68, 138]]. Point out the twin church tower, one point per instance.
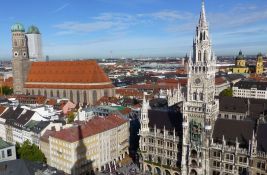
[[26, 47]]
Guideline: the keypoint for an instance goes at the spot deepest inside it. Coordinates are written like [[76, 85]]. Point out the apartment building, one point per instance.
[[95, 145], [250, 89]]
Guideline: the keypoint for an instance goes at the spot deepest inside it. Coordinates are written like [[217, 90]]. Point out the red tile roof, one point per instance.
[[161, 84], [220, 80], [2, 109], [107, 100], [31, 99], [77, 75], [129, 92], [92, 127]]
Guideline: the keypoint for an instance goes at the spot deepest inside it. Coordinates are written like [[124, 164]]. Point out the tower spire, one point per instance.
[[203, 20]]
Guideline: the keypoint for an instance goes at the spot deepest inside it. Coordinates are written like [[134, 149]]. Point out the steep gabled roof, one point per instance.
[[232, 130], [248, 84], [261, 137], [168, 118], [92, 127], [25, 118], [67, 74], [233, 104]]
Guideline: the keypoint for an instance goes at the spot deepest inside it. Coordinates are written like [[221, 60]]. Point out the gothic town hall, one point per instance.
[[198, 134]]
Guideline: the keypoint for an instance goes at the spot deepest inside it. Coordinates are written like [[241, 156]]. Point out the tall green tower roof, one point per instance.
[[17, 28], [33, 30]]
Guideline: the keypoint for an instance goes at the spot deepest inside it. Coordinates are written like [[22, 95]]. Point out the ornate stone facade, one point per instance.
[[200, 108], [198, 134]]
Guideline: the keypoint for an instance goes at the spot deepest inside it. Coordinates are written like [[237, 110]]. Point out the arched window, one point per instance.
[[27, 92], [201, 96], [199, 55], [78, 96], [194, 163], [193, 172], [195, 96], [167, 172], [149, 168], [71, 95], [58, 93], [45, 93], [64, 93], [94, 97], [51, 93], [32, 92], [204, 36], [39, 92], [157, 171], [85, 97], [149, 157], [159, 160], [194, 153]]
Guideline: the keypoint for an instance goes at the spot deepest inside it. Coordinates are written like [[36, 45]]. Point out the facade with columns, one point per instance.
[[190, 137]]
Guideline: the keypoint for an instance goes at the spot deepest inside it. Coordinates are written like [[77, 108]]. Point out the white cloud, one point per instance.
[[241, 15], [169, 15], [61, 8], [84, 27], [120, 21]]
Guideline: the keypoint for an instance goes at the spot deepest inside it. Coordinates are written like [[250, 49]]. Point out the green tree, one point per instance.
[[17, 149], [7, 90], [227, 92], [28, 151], [70, 117]]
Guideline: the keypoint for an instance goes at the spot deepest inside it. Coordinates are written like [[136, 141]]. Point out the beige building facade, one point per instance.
[[94, 146]]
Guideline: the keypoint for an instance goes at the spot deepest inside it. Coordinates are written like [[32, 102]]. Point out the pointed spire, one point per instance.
[[144, 98], [190, 58], [203, 20]]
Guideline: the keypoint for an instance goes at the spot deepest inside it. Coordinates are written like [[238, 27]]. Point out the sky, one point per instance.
[[74, 29]]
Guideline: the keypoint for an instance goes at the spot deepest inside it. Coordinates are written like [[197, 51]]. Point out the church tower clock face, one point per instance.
[[197, 81]]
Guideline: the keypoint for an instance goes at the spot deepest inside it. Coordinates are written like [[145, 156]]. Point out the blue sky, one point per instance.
[[123, 28]]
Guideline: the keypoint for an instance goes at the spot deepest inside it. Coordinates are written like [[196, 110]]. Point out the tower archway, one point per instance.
[[157, 171], [193, 172]]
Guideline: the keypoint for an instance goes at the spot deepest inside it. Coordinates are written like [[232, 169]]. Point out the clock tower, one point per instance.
[[200, 108], [20, 62]]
